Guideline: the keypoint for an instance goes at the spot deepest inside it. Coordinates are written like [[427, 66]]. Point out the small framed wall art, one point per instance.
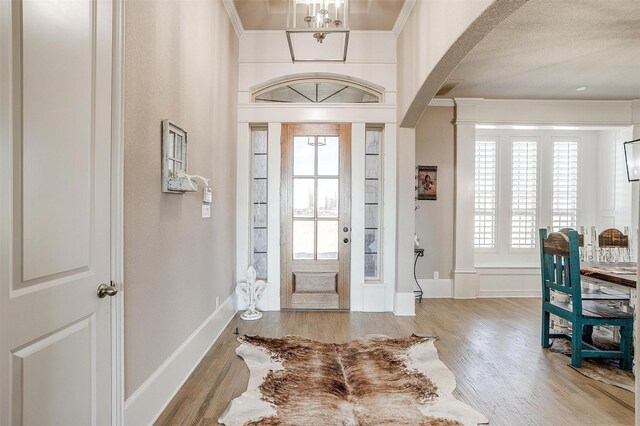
[[427, 182]]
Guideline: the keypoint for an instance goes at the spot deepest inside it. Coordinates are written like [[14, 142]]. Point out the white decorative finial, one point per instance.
[[251, 291]]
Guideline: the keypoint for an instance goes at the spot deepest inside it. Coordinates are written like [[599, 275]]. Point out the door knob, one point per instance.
[[107, 290], [346, 240]]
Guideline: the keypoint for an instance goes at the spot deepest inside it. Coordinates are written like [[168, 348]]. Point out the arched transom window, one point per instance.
[[318, 90]]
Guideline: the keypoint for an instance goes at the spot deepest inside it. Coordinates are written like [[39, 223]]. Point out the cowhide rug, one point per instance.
[[373, 381]]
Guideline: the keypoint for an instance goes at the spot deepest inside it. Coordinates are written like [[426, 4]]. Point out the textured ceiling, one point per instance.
[[548, 48], [272, 14]]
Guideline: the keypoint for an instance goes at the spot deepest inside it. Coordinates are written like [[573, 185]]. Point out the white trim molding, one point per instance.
[[442, 102], [465, 283], [407, 7], [243, 199], [274, 159], [511, 294], [357, 291], [464, 276], [330, 113], [508, 281], [404, 304], [146, 404], [230, 7], [547, 112], [117, 215]]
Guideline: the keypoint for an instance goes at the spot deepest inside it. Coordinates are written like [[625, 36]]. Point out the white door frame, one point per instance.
[[368, 297], [117, 216]]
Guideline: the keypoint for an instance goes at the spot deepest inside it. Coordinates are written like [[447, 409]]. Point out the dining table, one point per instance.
[[618, 275]]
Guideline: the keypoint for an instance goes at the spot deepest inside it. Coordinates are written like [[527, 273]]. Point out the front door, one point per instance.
[[55, 165], [315, 216]]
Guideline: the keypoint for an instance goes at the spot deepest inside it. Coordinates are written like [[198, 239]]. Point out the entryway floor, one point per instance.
[[491, 345]]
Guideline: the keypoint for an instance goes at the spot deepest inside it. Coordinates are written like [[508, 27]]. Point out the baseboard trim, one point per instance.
[[146, 404], [501, 294], [404, 304], [436, 289], [465, 284]]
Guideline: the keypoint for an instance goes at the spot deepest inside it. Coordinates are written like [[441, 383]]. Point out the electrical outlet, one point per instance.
[[217, 302], [436, 275], [206, 211]]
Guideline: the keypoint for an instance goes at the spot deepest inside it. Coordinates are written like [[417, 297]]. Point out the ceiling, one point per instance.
[[272, 14], [548, 48]]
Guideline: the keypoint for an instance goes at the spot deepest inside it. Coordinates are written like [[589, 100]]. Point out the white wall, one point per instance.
[[181, 64]]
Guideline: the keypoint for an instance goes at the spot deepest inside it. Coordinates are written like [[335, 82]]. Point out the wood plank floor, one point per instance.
[[491, 345]]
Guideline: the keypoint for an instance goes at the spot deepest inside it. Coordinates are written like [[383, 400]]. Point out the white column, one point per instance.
[[404, 301], [465, 277]]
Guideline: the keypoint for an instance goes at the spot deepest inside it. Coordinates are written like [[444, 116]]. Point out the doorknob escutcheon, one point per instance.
[[105, 290]]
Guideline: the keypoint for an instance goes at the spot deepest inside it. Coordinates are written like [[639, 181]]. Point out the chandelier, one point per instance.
[[318, 30]]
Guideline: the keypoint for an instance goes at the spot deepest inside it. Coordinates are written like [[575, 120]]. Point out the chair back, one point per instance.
[[581, 241], [613, 246], [560, 266], [565, 231]]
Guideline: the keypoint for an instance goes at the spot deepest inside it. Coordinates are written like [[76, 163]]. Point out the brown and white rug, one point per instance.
[[373, 381]]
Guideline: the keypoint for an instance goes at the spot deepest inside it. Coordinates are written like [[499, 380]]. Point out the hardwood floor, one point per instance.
[[491, 345]]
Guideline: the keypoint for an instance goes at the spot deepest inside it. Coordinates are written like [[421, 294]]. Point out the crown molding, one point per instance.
[[548, 112], [407, 7], [230, 6]]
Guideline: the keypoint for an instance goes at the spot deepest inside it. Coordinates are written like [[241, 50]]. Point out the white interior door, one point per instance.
[[55, 100]]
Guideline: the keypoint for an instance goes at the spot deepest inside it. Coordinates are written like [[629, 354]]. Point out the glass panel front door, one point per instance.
[[315, 216]]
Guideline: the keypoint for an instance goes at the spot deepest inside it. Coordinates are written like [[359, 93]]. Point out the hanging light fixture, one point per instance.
[[318, 30]]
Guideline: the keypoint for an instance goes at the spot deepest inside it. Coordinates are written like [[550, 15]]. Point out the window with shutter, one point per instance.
[[524, 171], [485, 195], [565, 185]]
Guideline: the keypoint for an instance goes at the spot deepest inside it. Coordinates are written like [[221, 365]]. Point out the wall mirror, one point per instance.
[[174, 158]]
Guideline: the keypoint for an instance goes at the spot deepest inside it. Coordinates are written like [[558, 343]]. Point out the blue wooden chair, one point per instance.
[[560, 271]]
